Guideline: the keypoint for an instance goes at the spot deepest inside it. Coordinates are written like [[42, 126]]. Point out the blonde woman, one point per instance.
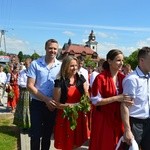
[[69, 87]]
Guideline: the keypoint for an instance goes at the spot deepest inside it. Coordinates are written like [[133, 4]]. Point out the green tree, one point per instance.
[[89, 62], [35, 56], [132, 59], [20, 56], [2, 53], [26, 56], [6, 68]]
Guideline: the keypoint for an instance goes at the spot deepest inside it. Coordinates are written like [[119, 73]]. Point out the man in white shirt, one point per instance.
[[2, 83], [97, 71], [82, 70], [136, 118]]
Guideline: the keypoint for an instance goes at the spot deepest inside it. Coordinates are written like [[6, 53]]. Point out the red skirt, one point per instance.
[[67, 139], [106, 131]]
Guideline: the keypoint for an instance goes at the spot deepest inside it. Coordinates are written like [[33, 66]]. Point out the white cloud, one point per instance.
[[69, 33], [92, 26], [14, 45], [128, 50], [104, 48], [142, 43], [101, 35], [59, 26], [17, 45]]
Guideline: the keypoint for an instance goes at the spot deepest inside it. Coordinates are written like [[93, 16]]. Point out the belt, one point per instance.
[[139, 120], [38, 101]]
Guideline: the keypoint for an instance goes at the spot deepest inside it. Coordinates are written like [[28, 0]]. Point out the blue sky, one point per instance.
[[117, 24]]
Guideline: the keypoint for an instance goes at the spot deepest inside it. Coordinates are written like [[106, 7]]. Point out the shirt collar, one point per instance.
[[42, 60], [141, 74]]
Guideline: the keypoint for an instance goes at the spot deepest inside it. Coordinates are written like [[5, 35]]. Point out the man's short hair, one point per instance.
[[50, 41], [143, 52]]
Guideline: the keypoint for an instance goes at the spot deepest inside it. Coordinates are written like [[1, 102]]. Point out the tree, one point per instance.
[[2, 53], [132, 59], [26, 56], [20, 56], [35, 56], [6, 68], [89, 62]]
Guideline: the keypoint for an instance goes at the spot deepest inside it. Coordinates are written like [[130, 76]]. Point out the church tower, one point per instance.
[[92, 43]]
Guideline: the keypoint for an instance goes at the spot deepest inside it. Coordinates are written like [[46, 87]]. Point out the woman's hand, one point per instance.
[[62, 106], [124, 98], [71, 104], [128, 100]]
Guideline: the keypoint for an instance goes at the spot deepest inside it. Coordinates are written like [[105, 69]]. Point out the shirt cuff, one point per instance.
[[96, 99]]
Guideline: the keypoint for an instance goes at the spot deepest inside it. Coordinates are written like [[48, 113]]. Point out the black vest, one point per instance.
[[64, 84]]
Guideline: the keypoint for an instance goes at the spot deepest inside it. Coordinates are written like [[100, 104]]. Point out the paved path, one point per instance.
[[3, 109], [24, 138], [25, 143]]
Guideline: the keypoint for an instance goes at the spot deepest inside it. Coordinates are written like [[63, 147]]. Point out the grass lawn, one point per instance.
[[9, 134]]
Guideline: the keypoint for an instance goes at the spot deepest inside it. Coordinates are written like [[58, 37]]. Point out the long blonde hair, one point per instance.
[[65, 66]]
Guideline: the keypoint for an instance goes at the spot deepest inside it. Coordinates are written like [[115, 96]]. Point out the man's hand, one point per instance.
[[51, 104], [128, 136]]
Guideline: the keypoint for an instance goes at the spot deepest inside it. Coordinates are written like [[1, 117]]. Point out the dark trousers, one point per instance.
[[141, 131], [42, 123]]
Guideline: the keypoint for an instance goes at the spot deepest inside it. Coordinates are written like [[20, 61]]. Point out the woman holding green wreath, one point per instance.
[[69, 88]]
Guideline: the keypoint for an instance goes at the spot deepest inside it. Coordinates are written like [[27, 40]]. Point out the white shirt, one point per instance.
[[22, 78], [8, 78], [138, 85], [3, 77], [92, 77], [84, 72]]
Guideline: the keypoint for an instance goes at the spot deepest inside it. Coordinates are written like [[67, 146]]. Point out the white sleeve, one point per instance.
[[8, 78], [92, 77], [129, 87], [22, 79], [96, 98]]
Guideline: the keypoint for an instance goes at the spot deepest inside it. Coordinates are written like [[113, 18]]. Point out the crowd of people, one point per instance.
[[119, 97], [13, 85]]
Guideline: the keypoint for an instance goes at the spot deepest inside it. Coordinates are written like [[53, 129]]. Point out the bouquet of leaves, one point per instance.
[[11, 94], [71, 112]]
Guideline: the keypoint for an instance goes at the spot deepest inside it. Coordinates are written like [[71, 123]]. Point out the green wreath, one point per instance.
[[71, 112]]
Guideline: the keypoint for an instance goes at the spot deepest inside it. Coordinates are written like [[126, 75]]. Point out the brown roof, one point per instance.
[[78, 49]]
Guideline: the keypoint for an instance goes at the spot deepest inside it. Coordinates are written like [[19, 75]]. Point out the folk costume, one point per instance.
[[22, 113], [14, 88], [64, 137], [107, 126]]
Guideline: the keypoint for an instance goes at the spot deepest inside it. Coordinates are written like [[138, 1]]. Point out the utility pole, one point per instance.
[[3, 37]]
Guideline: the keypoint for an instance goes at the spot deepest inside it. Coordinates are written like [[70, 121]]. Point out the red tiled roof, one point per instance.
[[78, 49]]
